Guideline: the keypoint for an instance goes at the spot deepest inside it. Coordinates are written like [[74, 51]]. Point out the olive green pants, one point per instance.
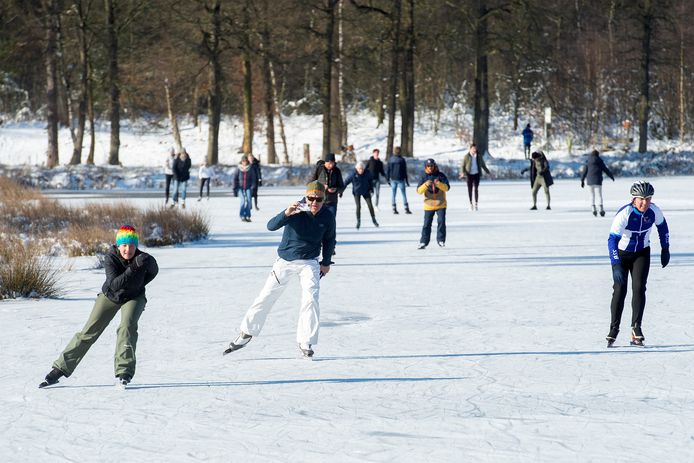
[[540, 183], [103, 312]]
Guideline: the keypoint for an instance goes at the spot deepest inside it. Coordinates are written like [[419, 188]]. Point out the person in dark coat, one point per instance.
[[128, 271], [362, 187], [375, 167], [181, 169], [255, 165], [540, 177], [592, 175], [329, 175], [527, 140], [244, 182], [397, 179]]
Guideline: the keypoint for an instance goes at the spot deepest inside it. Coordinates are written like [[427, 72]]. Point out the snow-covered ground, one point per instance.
[[144, 148], [490, 349]]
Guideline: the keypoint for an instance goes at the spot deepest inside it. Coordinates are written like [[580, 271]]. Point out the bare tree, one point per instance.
[[52, 12]]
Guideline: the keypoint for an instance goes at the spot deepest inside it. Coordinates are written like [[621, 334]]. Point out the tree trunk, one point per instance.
[[113, 81], [340, 77], [327, 77], [269, 111], [172, 117], [644, 100], [407, 97], [65, 90], [381, 109], [214, 95], [481, 104], [247, 146], [278, 111], [51, 26], [194, 103], [394, 75], [90, 115], [81, 109], [682, 105]]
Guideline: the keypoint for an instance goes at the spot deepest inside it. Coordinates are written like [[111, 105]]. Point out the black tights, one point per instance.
[[203, 182], [637, 264], [473, 182], [357, 200]]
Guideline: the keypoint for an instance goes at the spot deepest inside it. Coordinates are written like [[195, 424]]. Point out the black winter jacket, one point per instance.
[[593, 170], [397, 169], [331, 179], [375, 167], [361, 184], [181, 169], [123, 281]]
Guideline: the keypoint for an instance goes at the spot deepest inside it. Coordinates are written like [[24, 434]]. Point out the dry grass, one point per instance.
[[24, 272], [33, 226]]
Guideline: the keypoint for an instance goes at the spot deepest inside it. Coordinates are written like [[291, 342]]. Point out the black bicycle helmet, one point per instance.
[[642, 189], [430, 162]]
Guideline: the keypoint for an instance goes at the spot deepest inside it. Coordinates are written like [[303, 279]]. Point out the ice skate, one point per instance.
[[637, 336], [407, 210], [238, 343], [602, 212], [123, 380], [306, 350], [534, 208], [358, 224], [595, 212], [51, 378], [421, 246], [611, 337], [442, 244], [374, 221], [395, 210]]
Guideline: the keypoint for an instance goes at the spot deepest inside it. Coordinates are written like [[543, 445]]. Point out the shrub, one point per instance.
[[24, 273]]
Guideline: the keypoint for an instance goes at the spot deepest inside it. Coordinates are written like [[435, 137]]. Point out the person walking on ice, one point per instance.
[[308, 228], [362, 187], [128, 271], [630, 253], [540, 177], [433, 185], [592, 171]]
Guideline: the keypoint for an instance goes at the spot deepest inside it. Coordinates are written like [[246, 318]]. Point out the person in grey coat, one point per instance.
[[592, 175]]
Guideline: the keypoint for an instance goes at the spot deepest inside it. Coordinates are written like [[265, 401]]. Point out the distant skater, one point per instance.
[[540, 177], [375, 167], [169, 173], [397, 179], [128, 271], [244, 182], [181, 170], [528, 136], [592, 174], [329, 175], [433, 185], [362, 185], [255, 165], [630, 254], [471, 170], [205, 174]]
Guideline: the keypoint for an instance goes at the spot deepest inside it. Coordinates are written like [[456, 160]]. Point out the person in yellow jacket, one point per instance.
[[433, 185]]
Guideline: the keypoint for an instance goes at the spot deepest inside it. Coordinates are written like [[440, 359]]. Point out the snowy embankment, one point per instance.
[[144, 147], [490, 349]]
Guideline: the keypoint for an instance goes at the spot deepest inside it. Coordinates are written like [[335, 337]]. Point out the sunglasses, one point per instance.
[[314, 199]]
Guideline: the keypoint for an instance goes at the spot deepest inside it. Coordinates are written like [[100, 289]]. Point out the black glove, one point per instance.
[[619, 275], [583, 185], [140, 261], [665, 257]]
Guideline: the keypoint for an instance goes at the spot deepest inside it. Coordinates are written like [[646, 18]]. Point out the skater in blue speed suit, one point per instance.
[[630, 252]]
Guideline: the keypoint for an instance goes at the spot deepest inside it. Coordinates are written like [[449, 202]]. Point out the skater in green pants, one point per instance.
[[128, 270]]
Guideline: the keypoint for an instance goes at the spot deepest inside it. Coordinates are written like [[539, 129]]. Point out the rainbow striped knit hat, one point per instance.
[[127, 235]]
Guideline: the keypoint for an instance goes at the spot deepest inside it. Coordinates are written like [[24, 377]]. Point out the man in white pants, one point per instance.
[[307, 229]]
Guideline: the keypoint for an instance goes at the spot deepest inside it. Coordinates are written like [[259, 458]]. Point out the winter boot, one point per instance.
[[602, 211], [595, 212], [374, 221], [51, 378], [395, 210], [238, 343], [612, 336], [421, 246], [636, 336], [548, 208], [407, 209], [534, 208], [306, 349]]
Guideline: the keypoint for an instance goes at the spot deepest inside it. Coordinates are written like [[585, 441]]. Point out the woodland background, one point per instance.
[[596, 63]]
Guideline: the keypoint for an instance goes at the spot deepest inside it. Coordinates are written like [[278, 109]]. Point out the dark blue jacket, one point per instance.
[[361, 184], [527, 136], [304, 234], [397, 169], [246, 180], [593, 170], [331, 179]]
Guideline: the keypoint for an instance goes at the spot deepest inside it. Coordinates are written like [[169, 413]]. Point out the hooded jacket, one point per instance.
[[331, 179], [593, 170], [123, 281], [361, 184], [434, 194]]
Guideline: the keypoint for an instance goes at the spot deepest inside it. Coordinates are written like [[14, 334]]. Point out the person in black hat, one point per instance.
[[329, 175]]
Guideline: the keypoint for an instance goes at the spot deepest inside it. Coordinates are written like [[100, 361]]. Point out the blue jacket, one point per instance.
[[247, 180], [361, 184], [304, 235], [527, 136], [397, 169], [631, 230]]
